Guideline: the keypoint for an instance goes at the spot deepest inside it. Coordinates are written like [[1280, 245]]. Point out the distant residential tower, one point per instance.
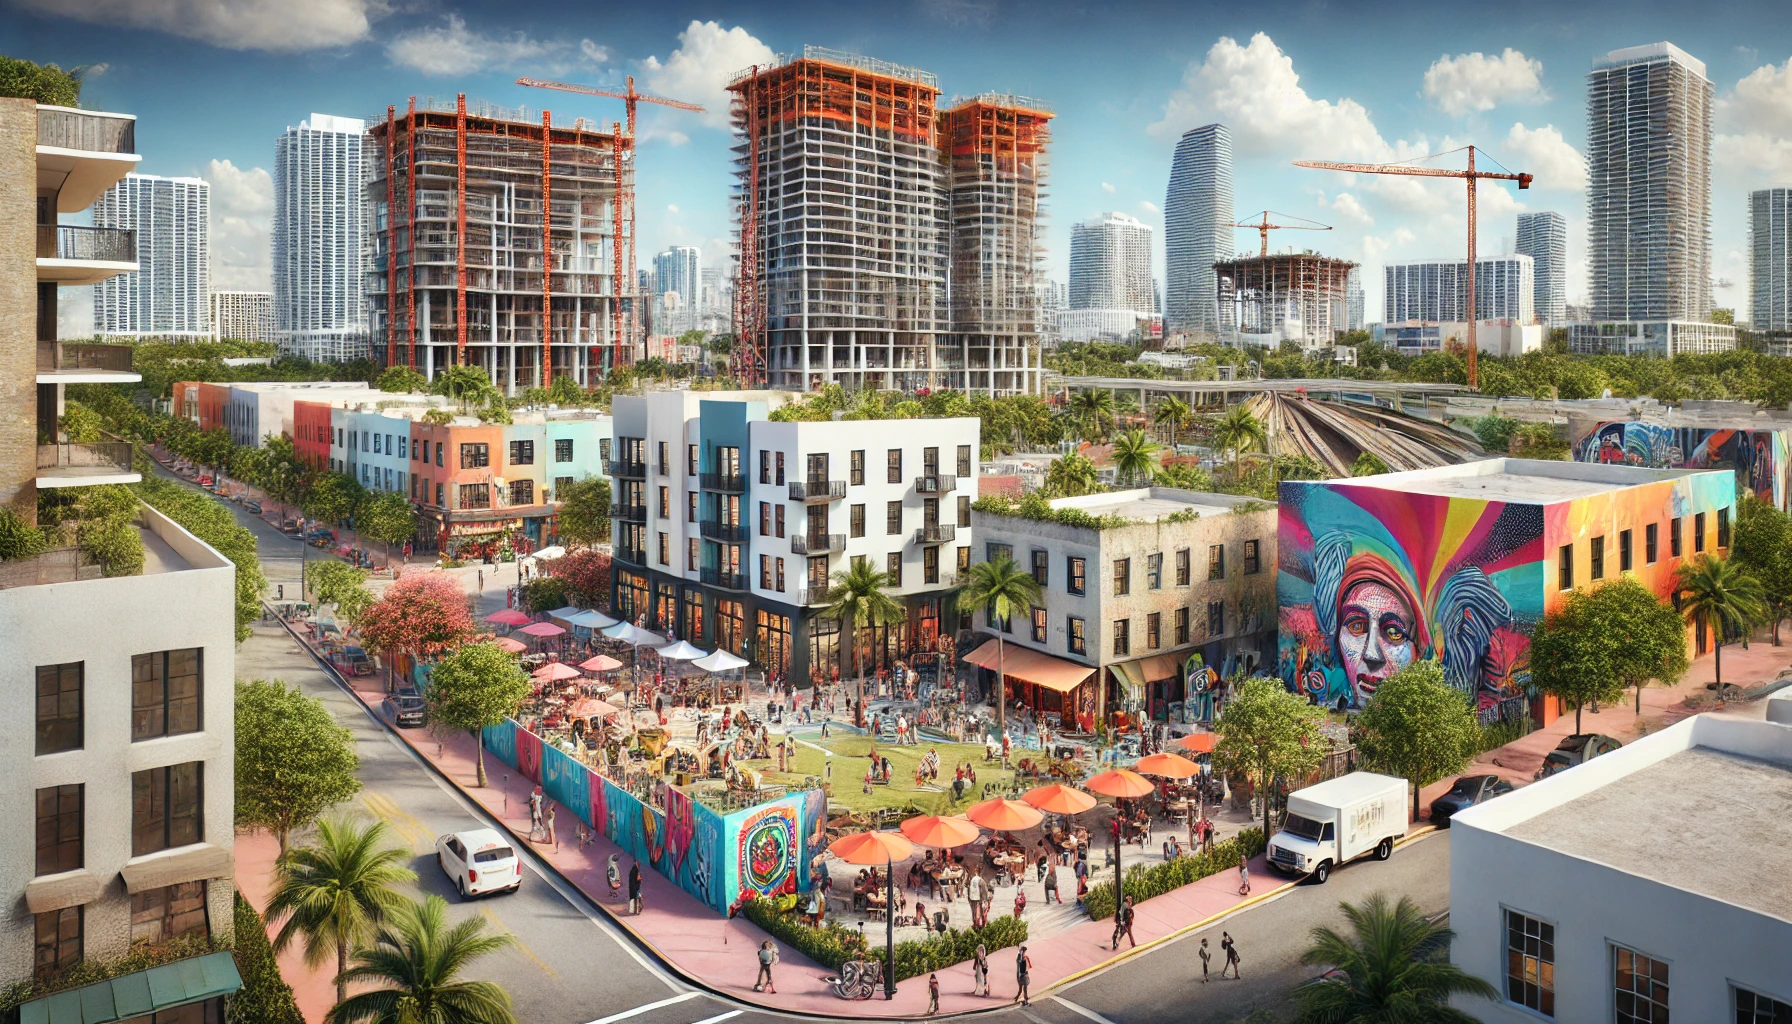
[[1197, 229], [1543, 236], [169, 296], [320, 284]]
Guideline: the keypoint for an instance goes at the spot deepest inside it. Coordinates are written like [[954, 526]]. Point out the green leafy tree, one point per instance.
[[1575, 656], [265, 997], [1762, 545], [1237, 431], [466, 385], [340, 584], [1418, 727], [1394, 968], [336, 497], [330, 895], [402, 380], [858, 600], [584, 512], [1001, 590], [565, 391], [387, 518], [1654, 634], [18, 538], [1135, 456], [475, 686], [1184, 475], [293, 762], [1266, 732], [1538, 441], [1093, 411], [415, 965], [1494, 432], [1072, 475], [45, 83], [1721, 594], [1368, 464]]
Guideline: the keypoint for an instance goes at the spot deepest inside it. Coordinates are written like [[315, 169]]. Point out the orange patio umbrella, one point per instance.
[[1004, 815], [872, 849], [1170, 766], [510, 646], [1120, 782], [940, 830], [1058, 799], [1199, 742]]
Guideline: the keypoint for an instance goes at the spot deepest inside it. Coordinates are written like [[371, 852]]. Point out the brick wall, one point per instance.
[[18, 306]]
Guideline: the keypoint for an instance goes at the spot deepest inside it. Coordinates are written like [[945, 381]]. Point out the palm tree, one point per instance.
[[1394, 969], [335, 892], [1135, 456], [1238, 430], [1721, 595], [857, 600], [416, 958], [1073, 475], [1094, 410], [1002, 591], [1173, 412]]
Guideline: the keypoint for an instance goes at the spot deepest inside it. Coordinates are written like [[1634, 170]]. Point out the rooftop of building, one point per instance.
[[845, 58], [1530, 481], [1648, 52], [166, 548], [1148, 503]]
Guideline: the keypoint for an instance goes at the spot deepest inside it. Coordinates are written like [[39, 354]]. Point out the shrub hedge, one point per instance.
[[833, 944], [265, 997], [1144, 881]]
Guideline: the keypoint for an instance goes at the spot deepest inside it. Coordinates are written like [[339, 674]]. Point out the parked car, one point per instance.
[[406, 707], [1467, 792], [479, 861], [1577, 749], [251, 505], [351, 660]]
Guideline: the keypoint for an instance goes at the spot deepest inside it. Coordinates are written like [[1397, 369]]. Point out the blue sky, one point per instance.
[[215, 81]]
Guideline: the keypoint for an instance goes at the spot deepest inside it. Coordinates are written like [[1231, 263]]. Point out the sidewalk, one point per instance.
[[314, 989]]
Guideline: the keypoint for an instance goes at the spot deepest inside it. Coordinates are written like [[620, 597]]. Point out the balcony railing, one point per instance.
[[941, 533], [935, 483], [812, 594], [817, 490], [61, 565], [86, 131], [622, 511], [821, 544], [52, 355], [633, 556], [76, 242], [725, 580], [625, 467], [109, 456], [731, 483], [732, 532]]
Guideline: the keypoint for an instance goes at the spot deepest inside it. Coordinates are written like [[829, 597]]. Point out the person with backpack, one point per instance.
[[768, 955]]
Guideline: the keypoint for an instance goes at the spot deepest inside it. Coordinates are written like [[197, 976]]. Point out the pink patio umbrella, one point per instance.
[[601, 663], [508, 617], [511, 646], [554, 672], [541, 629]]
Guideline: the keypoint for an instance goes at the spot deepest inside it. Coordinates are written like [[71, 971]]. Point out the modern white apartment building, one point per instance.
[[120, 752], [1099, 324], [1110, 264], [1666, 338], [679, 271], [244, 316], [1492, 337], [1198, 220], [1770, 260], [730, 526], [169, 296], [1438, 290], [320, 240], [1643, 885], [1355, 315], [1543, 236], [1649, 185]]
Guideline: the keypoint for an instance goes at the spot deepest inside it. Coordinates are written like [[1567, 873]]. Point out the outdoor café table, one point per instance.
[[948, 878]]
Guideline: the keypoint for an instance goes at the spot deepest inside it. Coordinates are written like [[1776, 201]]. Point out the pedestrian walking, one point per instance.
[[1123, 923], [1231, 948], [768, 955], [1042, 863], [1205, 957], [547, 822], [933, 994], [534, 811], [1244, 878], [634, 888], [973, 892], [613, 875], [1051, 885], [1023, 964], [980, 972]]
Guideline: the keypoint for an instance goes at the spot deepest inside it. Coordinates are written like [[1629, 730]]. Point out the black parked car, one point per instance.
[[1577, 749], [1467, 792], [406, 707]]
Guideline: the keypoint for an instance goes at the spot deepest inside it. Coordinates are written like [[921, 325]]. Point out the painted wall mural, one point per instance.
[[1372, 579], [1759, 458], [767, 852]]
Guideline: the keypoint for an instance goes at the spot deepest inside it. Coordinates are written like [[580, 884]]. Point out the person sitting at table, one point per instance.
[[859, 885]]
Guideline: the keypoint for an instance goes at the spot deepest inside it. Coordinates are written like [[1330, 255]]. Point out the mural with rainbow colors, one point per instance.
[[1759, 457]]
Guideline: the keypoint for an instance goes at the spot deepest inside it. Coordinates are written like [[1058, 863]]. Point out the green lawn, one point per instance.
[[850, 763]]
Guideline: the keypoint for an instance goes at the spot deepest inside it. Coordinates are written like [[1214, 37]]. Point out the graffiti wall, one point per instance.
[[1759, 458]]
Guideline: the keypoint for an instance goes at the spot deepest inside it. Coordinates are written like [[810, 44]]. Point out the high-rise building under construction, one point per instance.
[[885, 243], [460, 245]]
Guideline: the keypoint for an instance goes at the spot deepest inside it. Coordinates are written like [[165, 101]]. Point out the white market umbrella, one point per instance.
[[550, 552], [588, 619], [720, 661], [567, 612], [681, 651], [629, 633]]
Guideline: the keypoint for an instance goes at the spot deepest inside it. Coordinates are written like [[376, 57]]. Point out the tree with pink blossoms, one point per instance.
[[421, 614]]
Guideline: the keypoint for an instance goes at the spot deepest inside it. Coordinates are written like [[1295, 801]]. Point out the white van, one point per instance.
[[1339, 820]]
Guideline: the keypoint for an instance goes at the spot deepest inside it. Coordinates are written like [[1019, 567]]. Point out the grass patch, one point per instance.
[[850, 761]]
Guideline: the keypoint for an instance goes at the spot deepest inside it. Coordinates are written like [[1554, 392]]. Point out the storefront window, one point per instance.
[[665, 606], [631, 596], [824, 647], [731, 626], [693, 616], [771, 646]]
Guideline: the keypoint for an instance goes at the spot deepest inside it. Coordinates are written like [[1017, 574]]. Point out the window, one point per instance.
[[765, 466], [665, 502], [1531, 963], [765, 519], [930, 461], [165, 693], [1698, 532], [1042, 567], [1073, 572], [401, 447], [765, 572], [778, 470], [475, 496], [964, 460], [1596, 558], [778, 520], [58, 943], [563, 449], [1216, 561], [166, 807], [780, 575], [1154, 630], [894, 466], [690, 460], [59, 707], [1122, 577], [1075, 642], [1122, 636], [603, 448], [474, 456], [522, 492], [1624, 551], [1182, 625], [856, 517], [930, 563], [522, 453], [158, 915], [1674, 546], [665, 460], [1252, 561], [1755, 1008], [964, 512], [1182, 567], [893, 568], [1565, 567], [377, 450], [1639, 988], [1154, 572], [893, 518], [856, 470], [58, 829], [1723, 527], [1038, 624], [690, 506], [1216, 618], [693, 556], [1651, 543], [441, 497]]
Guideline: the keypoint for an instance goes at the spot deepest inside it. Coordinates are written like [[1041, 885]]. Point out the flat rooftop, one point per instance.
[[1147, 503], [1521, 480], [1701, 819]]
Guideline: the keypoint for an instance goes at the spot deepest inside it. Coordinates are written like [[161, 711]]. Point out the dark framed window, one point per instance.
[[893, 466], [167, 807], [665, 548], [1042, 566], [1755, 1008], [438, 453], [995, 552], [1216, 561], [964, 460], [1182, 625], [780, 574], [893, 568], [765, 519], [57, 944], [1038, 624], [1074, 635], [1074, 579], [1154, 572], [158, 915], [1596, 558], [690, 506], [778, 470], [1154, 630], [1122, 636], [856, 470], [522, 453], [59, 693], [1182, 572], [1651, 543], [964, 559], [691, 459], [475, 495], [1531, 963], [665, 460], [765, 466], [165, 693], [1122, 577], [893, 518], [562, 449], [930, 563], [1723, 527], [778, 520], [1698, 532], [1639, 987], [1565, 567], [765, 572], [665, 502], [1216, 618], [1624, 551], [603, 449], [692, 559], [964, 512], [1253, 560], [1675, 546], [856, 519], [522, 492], [59, 829], [475, 456]]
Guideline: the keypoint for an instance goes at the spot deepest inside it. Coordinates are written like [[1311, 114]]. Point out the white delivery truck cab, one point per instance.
[[1337, 821]]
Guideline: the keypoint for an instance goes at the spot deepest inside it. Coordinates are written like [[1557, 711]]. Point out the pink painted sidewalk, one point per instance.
[[314, 990]]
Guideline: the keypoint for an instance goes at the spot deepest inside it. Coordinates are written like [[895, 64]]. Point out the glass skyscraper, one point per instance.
[[320, 283], [170, 293], [1543, 236], [1197, 229]]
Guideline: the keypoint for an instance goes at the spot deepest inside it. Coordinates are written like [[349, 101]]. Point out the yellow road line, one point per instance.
[[518, 943], [409, 828]]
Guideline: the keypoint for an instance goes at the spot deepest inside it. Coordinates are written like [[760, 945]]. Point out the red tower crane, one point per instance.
[[1264, 227], [1470, 175]]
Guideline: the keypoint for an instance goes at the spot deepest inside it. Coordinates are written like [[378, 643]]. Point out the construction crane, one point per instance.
[[625, 194], [1264, 227], [1470, 175]]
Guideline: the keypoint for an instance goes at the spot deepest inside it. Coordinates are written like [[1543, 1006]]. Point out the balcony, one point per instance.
[[82, 153], [633, 556], [935, 483], [71, 363], [85, 465], [69, 254], [820, 544], [634, 512], [626, 468], [727, 483], [817, 490], [939, 533], [812, 594], [732, 533], [725, 580]]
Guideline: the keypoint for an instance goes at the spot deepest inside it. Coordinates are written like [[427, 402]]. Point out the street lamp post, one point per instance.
[[890, 931]]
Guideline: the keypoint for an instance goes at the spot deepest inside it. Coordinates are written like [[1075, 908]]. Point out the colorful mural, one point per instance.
[[1759, 458], [1372, 579], [767, 852]]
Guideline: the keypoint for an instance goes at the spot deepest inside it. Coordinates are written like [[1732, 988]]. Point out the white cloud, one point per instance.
[[453, 49], [1544, 153], [233, 25], [1107, 187], [708, 55], [1473, 82], [1375, 246], [1149, 207], [1760, 103], [242, 209], [671, 207], [1346, 206], [1750, 161]]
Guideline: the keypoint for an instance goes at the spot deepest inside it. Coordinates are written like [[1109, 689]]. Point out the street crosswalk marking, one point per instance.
[[1084, 1010], [718, 1018], [646, 1008]]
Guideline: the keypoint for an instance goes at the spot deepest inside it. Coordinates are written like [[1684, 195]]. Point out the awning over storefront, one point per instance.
[[1146, 670], [1031, 666], [140, 994]]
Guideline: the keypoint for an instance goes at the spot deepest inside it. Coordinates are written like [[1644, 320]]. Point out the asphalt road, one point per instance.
[[571, 965]]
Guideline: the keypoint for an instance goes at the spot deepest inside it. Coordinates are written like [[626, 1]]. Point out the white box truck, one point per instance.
[[1337, 821]]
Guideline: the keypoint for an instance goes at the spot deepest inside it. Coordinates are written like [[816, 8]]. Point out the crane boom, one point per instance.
[[592, 90], [1264, 227]]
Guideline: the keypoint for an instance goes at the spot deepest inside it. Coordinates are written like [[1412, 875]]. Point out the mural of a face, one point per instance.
[[1375, 636]]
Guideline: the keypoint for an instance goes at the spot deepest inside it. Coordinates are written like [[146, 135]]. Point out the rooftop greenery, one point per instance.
[[45, 83]]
